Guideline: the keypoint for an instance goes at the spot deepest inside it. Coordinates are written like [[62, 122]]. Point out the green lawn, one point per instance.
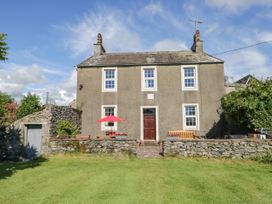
[[86, 179]]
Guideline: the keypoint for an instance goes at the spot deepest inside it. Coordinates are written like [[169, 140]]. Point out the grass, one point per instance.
[[94, 179]]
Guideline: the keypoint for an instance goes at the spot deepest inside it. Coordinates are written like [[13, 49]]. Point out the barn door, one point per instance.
[[34, 136]]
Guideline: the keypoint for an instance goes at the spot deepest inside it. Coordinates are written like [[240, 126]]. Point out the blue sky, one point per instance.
[[47, 39]]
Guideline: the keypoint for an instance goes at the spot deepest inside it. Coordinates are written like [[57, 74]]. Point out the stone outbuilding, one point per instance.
[[37, 128]]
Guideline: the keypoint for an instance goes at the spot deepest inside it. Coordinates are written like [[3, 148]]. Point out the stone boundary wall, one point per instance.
[[63, 113], [93, 146], [232, 148]]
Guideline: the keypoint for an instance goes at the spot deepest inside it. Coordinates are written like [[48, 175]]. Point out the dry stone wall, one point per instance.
[[93, 146], [235, 148], [63, 113]]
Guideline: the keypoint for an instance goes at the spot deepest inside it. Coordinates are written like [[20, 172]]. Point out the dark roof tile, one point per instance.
[[148, 58]]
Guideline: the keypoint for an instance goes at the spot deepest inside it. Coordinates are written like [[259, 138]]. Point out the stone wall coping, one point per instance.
[[217, 140], [102, 140]]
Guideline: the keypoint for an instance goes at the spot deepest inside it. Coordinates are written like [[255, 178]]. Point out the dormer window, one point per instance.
[[109, 79]]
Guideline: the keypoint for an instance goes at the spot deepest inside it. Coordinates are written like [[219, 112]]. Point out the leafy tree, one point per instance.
[[3, 47], [29, 104], [250, 107], [7, 110]]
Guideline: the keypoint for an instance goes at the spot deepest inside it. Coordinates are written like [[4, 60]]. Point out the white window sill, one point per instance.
[[109, 90], [189, 89]]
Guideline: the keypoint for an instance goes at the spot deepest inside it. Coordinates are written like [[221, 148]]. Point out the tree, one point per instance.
[[3, 47], [250, 107], [29, 104], [7, 110]]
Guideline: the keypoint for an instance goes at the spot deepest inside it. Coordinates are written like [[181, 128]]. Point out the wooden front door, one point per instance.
[[149, 123]]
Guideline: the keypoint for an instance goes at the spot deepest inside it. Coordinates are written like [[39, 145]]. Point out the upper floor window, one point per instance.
[[190, 117], [109, 79], [149, 79], [189, 78]]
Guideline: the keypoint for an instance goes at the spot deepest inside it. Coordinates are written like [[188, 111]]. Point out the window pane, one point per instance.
[[109, 111], [149, 73], [190, 121], [149, 83], [189, 82], [110, 74], [189, 72], [190, 110], [110, 84]]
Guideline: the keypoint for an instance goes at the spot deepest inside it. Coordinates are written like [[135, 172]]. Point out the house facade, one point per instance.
[[154, 92]]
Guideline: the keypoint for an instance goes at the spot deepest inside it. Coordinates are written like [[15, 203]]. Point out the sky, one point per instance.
[[47, 39]]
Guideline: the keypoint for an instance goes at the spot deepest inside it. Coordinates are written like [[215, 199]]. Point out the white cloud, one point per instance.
[[169, 45], [264, 36], [14, 78], [61, 93], [235, 6], [153, 8], [114, 25], [245, 62], [17, 80], [68, 89]]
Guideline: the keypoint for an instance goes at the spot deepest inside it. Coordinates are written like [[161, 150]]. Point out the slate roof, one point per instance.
[[245, 80], [148, 58]]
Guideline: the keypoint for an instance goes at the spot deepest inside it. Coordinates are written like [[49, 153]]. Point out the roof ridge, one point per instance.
[[146, 52]]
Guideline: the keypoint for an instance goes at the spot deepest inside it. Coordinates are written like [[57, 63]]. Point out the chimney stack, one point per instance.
[[197, 47], [98, 47]]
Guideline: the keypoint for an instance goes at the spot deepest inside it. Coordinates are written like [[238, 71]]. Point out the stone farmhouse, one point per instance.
[[154, 92]]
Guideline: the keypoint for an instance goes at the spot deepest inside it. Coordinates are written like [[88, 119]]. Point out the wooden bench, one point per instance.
[[182, 134]]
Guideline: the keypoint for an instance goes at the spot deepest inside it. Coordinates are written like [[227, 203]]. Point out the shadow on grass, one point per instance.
[[9, 168]]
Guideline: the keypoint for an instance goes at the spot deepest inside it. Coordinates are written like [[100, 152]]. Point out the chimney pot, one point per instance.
[[98, 47], [99, 39], [197, 46]]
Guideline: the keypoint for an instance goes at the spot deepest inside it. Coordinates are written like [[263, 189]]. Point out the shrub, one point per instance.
[[11, 147], [67, 128], [251, 107]]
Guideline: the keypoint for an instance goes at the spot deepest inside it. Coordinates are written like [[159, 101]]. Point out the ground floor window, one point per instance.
[[190, 117], [106, 111]]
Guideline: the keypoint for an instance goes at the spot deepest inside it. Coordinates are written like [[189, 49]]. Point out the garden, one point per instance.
[[78, 178]]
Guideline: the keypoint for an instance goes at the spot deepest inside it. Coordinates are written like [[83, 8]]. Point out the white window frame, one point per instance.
[[104, 89], [195, 88], [185, 127], [107, 128], [143, 78]]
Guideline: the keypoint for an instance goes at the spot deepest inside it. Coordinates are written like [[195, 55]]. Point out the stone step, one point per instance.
[[144, 151], [150, 143]]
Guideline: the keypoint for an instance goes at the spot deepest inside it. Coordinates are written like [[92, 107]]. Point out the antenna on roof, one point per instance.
[[47, 98], [196, 22]]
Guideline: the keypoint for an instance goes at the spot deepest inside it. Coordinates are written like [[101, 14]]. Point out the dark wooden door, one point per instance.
[[149, 123]]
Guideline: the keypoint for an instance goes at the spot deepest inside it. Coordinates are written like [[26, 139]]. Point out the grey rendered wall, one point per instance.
[[169, 98]]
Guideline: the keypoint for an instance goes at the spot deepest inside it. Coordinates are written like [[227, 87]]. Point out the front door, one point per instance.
[[149, 123]]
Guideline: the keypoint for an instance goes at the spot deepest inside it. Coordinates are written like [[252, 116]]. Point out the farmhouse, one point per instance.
[[154, 92]]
